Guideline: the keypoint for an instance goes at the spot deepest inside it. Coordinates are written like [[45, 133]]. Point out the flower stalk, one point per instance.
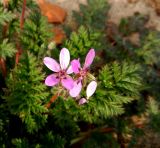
[[54, 97]]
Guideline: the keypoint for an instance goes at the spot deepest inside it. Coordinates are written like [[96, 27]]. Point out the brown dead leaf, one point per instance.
[[54, 13], [59, 35]]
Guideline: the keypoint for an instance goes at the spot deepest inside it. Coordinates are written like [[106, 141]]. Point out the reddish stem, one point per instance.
[[52, 100], [2, 61], [88, 134], [3, 67], [22, 15], [19, 52]]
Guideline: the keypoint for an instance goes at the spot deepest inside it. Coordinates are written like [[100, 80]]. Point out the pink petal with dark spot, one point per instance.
[[51, 80], [68, 83]]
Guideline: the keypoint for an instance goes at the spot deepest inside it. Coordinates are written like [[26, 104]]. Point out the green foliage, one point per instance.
[[19, 143], [26, 93], [136, 134], [16, 5], [154, 114], [100, 140], [50, 140], [80, 42], [4, 123], [133, 24], [121, 42], [118, 47], [66, 114], [36, 34], [93, 14], [91, 21], [120, 84], [5, 16], [149, 52], [7, 49]]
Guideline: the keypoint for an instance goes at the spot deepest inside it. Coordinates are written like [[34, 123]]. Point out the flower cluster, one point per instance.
[[75, 83]]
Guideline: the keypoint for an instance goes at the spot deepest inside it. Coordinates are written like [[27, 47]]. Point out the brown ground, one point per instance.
[[122, 8]]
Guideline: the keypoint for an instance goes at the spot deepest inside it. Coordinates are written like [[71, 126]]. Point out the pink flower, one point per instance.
[[61, 70], [91, 88], [81, 72], [76, 66]]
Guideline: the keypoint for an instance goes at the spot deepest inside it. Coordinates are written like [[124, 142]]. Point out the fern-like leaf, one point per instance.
[[26, 93], [7, 49]]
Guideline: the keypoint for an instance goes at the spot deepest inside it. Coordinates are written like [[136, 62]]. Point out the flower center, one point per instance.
[[62, 74], [83, 73]]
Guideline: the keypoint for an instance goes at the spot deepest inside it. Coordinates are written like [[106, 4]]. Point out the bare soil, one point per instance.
[[121, 9]]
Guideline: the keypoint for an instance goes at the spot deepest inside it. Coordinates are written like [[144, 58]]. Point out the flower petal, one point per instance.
[[76, 66], [51, 80], [89, 58], [91, 88], [69, 70], [68, 83], [64, 58], [51, 64], [82, 101], [74, 92]]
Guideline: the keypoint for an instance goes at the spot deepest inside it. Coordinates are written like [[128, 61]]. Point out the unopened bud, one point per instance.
[[82, 101], [51, 45]]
